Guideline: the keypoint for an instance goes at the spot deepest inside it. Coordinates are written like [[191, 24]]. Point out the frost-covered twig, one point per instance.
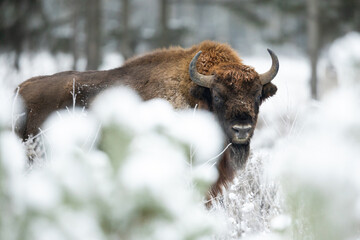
[[213, 158], [42, 136], [73, 95], [95, 137], [192, 151], [13, 118], [250, 202]]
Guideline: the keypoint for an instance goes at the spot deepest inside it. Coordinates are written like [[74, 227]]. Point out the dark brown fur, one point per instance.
[[162, 74]]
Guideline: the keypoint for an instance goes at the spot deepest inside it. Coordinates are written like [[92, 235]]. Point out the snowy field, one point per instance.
[[109, 174]]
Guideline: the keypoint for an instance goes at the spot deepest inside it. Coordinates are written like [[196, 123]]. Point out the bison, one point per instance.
[[210, 75]]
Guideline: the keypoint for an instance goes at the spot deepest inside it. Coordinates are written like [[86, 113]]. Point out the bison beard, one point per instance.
[[209, 75], [233, 160]]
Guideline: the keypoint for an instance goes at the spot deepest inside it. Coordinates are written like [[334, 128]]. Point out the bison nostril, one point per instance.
[[241, 128]]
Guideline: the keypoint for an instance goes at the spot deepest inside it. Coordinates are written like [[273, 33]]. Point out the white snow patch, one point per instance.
[[344, 54]]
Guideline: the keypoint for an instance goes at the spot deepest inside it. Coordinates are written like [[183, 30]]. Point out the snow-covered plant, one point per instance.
[[318, 169], [252, 202], [128, 169], [123, 170], [344, 54], [12, 167], [313, 147]]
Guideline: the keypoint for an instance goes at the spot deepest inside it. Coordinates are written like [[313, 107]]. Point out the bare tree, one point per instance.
[[313, 42], [93, 30], [125, 20], [74, 40], [164, 17]]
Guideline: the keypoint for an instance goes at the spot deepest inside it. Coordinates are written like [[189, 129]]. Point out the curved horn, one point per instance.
[[198, 78], [269, 75]]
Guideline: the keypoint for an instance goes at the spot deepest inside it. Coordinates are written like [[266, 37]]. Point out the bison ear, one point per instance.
[[268, 90]]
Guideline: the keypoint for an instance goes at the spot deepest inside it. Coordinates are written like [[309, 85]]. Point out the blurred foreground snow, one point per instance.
[[319, 169], [122, 171], [115, 172], [301, 181]]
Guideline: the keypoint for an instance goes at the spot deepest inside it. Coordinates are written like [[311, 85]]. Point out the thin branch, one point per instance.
[[213, 158], [74, 95], [13, 120], [96, 137], [192, 151]]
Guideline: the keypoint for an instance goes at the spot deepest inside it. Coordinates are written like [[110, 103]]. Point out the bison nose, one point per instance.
[[241, 133], [241, 128]]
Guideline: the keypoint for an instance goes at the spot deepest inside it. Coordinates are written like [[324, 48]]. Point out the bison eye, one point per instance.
[[258, 98], [216, 99]]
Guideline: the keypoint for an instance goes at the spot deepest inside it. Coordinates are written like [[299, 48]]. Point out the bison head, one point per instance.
[[234, 92]]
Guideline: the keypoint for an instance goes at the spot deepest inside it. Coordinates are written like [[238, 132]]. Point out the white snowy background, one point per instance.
[[140, 170]]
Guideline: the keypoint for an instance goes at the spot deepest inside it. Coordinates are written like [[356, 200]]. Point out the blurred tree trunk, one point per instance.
[[93, 29], [74, 46], [164, 17], [313, 43], [125, 48], [18, 34], [357, 17]]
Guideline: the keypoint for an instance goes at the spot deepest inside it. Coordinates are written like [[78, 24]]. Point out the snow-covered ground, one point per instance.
[[301, 181], [106, 178]]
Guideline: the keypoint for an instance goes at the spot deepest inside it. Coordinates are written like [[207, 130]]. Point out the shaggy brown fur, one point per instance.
[[234, 98]]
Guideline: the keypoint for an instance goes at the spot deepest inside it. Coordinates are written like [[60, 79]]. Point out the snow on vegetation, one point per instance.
[[252, 201], [301, 181], [318, 169], [114, 172], [128, 169], [345, 56], [318, 164]]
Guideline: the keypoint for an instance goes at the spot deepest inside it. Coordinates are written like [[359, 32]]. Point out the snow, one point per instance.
[[112, 60], [155, 182], [280, 223], [35, 189], [44, 63], [12, 167], [153, 173], [69, 128], [321, 164], [307, 175], [139, 170], [187, 126], [11, 107], [205, 144], [344, 54], [31, 64]]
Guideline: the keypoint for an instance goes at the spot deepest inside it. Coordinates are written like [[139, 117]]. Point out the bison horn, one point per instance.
[[269, 75], [198, 78]]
